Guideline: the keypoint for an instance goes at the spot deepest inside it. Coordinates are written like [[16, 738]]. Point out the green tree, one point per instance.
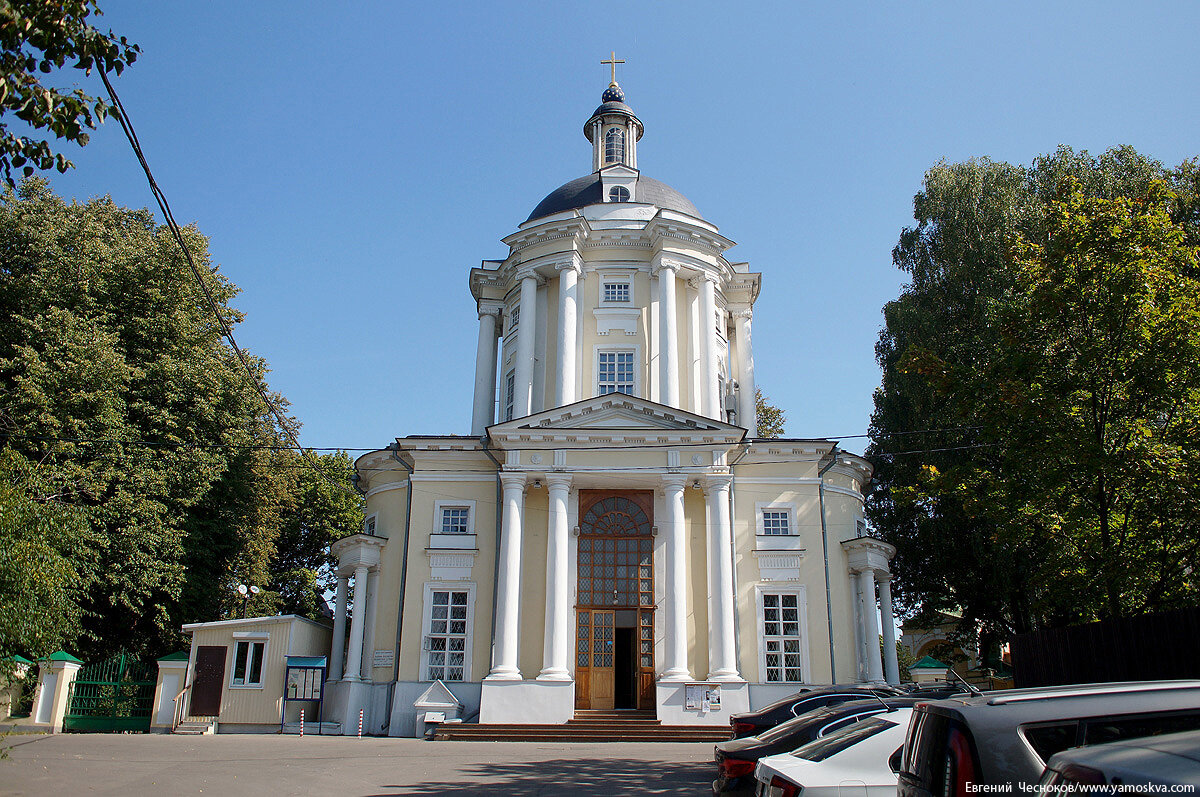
[[115, 379], [315, 513], [1026, 305], [39, 38], [771, 419], [40, 589]]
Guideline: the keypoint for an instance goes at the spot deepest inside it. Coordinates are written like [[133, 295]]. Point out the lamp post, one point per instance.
[[246, 592]]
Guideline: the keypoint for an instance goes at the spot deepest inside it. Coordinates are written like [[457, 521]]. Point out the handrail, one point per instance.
[[177, 717]]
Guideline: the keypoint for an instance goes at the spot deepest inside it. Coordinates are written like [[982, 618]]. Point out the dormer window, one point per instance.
[[618, 193], [614, 145]]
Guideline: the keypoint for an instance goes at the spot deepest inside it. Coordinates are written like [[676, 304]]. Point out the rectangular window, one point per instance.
[[510, 394], [248, 663], [781, 637], [514, 318], [456, 520], [369, 526], [615, 373], [616, 293], [446, 644], [776, 522]]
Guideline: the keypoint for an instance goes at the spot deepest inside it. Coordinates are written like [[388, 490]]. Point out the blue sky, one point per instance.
[[349, 165]]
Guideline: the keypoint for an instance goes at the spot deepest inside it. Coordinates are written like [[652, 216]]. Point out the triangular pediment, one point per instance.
[[619, 170], [616, 413]]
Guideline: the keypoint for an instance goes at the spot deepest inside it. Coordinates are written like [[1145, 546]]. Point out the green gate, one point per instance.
[[111, 696]]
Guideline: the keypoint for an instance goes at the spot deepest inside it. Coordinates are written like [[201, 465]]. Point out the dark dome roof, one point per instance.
[[587, 190], [613, 94]]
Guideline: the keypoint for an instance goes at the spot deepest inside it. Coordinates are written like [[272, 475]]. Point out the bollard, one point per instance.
[[360, 715], [302, 722]]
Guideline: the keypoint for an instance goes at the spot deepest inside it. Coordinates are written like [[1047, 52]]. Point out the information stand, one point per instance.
[[304, 681]]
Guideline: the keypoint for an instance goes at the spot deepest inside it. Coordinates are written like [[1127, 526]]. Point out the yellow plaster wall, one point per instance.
[[695, 527], [531, 622]]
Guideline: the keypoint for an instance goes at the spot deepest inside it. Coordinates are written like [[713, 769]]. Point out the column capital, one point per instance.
[[511, 479], [674, 481], [742, 314], [489, 307], [558, 481], [716, 482], [666, 265], [530, 274], [568, 265]]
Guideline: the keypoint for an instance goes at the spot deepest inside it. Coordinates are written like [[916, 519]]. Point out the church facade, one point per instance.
[[610, 534]]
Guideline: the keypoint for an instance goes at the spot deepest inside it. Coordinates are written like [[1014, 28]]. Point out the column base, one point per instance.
[[554, 674], [725, 677], [503, 674], [675, 675]]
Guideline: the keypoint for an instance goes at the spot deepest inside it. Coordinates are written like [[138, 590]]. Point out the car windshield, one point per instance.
[[839, 740], [791, 726]]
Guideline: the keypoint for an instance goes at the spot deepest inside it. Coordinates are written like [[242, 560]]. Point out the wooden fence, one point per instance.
[[1150, 647]]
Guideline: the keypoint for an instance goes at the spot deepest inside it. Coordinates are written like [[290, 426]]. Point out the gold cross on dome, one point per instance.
[[613, 61]]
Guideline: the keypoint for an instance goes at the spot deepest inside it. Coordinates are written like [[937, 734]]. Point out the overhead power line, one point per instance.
[[283, 422]]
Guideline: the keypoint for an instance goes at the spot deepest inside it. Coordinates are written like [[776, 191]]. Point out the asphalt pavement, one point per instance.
[[263, 765]]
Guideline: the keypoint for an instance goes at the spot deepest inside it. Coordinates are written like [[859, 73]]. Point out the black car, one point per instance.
[[768, 717], [736, 758]]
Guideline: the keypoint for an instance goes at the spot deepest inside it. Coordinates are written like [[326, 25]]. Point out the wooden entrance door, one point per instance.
[[208, 681], [597, 688], [615, 589]]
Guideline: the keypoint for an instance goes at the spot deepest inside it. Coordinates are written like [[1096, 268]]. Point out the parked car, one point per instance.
[[737, 757], [755, 722], [1007, 737], [1171, 759], [857, 759]]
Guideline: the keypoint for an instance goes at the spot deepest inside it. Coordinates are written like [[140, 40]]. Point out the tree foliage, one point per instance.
[[771, 419], [38, 39], [39, 585], [1051, 323], [115, 380]]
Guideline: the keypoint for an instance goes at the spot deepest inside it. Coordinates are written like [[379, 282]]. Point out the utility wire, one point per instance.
[[226, 331]]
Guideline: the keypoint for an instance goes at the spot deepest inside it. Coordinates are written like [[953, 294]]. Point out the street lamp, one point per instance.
[[246, 592]]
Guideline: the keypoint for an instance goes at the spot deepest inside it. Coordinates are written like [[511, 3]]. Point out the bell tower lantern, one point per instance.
[[614, 130]]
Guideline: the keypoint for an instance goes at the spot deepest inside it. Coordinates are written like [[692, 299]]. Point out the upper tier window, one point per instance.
[[614, 145], [616, 293], [618, 193], [615, 373]]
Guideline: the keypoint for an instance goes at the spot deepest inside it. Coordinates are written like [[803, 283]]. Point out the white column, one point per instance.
[[358, 625], [508, 588], [675, 589], [338, 653], [710, 398], [866, 580], [722, 654], [559, 639], [747, 413], [368, 667], [891, 668], [483, 410], [668, 346], [568, 280], [526, 330]]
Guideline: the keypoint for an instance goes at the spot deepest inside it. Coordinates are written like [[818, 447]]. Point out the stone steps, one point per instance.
[[587, 726]]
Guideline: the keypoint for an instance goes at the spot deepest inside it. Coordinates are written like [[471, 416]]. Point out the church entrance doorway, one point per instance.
[[614, 639]]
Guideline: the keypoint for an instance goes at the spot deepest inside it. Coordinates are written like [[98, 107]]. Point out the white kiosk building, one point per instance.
[[609, 533]]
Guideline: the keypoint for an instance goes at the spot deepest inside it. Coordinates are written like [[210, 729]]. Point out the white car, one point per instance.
[[854, 760]]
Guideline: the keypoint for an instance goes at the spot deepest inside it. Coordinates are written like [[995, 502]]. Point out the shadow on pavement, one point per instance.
[[573, 778]]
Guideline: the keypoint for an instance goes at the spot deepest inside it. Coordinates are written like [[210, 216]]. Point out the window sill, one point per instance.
[[245, 686]]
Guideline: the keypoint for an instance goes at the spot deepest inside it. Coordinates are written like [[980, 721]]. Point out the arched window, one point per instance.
[[614, 145], [618, 193]]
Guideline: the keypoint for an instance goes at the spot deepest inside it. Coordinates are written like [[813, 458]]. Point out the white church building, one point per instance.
[[610, 534]]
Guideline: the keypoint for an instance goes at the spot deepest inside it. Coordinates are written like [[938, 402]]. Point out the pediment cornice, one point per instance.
[[614, 419]]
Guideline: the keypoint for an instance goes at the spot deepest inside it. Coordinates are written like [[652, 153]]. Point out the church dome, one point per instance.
[[613, 94], [587, 190]]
